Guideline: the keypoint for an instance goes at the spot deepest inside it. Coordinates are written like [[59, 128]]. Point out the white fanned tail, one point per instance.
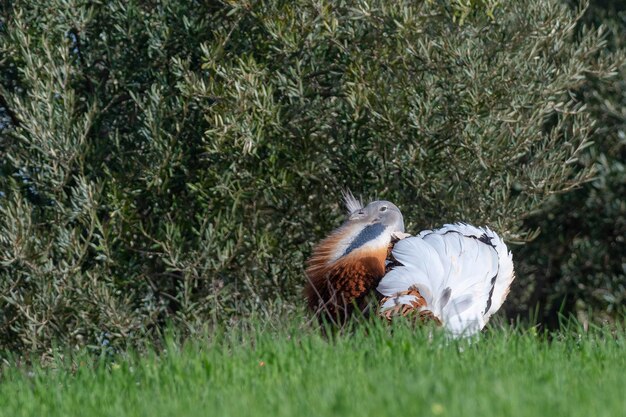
[[462, 272]]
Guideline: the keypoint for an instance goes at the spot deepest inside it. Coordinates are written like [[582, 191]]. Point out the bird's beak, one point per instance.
[[355, 215]]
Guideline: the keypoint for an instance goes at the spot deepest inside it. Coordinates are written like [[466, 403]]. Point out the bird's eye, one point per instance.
[[383, 208]]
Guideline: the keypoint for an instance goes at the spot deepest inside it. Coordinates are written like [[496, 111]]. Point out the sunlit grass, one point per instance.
[[372, 371]]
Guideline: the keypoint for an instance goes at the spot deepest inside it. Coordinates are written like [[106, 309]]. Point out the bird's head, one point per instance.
[[380, 212], [369, 226]]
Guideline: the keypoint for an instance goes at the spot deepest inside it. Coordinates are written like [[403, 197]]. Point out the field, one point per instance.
[[372, 371]]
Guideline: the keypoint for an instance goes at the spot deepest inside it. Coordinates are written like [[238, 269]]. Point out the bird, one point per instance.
[[346, 266], [456, 276]]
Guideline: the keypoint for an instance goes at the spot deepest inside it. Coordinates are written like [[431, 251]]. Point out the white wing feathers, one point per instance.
[[463, 272]]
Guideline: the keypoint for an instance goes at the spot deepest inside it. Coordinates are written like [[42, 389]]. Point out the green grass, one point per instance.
[[375, 371]]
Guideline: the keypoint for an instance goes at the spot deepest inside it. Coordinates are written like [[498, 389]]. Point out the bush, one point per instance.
[[577, 264], [176, 162]]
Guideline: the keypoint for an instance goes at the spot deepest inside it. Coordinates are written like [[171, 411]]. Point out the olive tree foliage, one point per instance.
[[578, 262], [170, 161]]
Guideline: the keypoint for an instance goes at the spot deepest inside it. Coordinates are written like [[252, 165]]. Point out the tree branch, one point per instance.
[[15, 121]]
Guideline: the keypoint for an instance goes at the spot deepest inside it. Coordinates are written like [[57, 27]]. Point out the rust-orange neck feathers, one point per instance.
[[342, 274]]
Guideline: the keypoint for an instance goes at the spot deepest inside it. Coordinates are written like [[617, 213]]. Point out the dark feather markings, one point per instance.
[[493, 287], [483, 238], [368, 233], [486, 240], [445, 297]]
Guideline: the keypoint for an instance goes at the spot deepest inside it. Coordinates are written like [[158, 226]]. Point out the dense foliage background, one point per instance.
[[578, 262], [175, 161]]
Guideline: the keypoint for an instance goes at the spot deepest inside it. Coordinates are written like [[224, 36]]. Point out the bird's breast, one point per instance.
[[359, 272], [336, 285]]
